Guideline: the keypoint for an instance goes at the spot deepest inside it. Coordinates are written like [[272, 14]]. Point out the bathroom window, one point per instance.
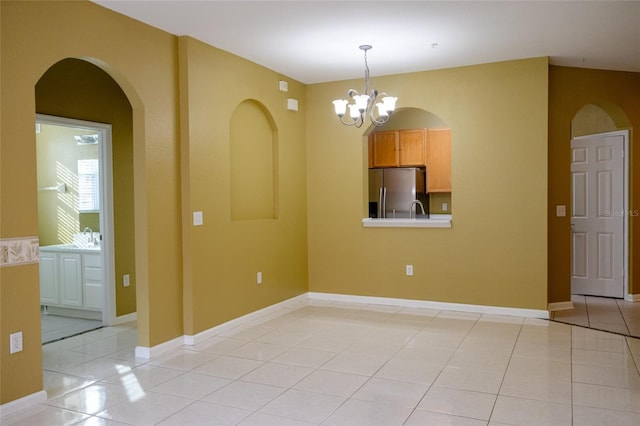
[[88, 186]]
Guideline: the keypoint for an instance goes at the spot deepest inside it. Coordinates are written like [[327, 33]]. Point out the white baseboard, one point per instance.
[[632, 298], [560, 306], [445, 306], [22, 403], [125, 318], [155, 351], [146, 352], [206, 334], [189, 340]]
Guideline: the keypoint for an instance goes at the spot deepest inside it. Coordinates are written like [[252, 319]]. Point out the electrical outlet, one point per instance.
[[259, 278], [15, 342], [125, 280], [445, 207], [409, 269]]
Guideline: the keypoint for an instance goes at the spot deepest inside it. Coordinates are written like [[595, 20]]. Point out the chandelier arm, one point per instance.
[[353, 122]]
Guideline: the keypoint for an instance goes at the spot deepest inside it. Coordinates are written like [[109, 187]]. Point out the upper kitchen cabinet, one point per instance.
[[398, 148], [438, 160], [384, 150], [411, 148]]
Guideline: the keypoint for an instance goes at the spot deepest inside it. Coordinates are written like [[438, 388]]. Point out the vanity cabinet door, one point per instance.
[[49, 294], [71, 279]]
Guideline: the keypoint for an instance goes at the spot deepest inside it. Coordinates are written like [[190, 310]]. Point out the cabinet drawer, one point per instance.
[[93, 260], [92, 274]]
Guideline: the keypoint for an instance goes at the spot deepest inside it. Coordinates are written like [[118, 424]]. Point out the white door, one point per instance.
[[598, 214]]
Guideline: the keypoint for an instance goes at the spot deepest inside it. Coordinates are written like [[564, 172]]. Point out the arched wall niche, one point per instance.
[[598, 117], [254, 162]]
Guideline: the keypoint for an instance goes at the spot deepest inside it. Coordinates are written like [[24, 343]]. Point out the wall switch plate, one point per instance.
[[283, 86], [409, 269], [561, 211], [197, 219], [125, 280], [15, 342], [259, 278], [292, 104], [445, 207]]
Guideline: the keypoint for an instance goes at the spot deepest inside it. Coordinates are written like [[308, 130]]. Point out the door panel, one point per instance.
[[597, 220], [579, 269]]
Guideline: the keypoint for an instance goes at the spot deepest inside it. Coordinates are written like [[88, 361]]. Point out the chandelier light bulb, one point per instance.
[[340, 106], [361, 102], [389, 103], [354, 111], [382, 109]]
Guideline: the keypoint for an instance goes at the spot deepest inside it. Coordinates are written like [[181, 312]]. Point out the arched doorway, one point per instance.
[[80, 90]]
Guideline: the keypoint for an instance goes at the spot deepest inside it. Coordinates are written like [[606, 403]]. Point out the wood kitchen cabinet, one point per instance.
[[385, 149], [398, 148], [438, 160], [415, 148]]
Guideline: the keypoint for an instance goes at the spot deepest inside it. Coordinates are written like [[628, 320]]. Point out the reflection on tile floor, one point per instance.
[[323, 363], [55, 327], [602, 313]]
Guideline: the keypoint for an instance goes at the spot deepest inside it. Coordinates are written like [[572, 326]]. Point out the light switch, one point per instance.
[[197, 219], [292, 104], [561, 211]]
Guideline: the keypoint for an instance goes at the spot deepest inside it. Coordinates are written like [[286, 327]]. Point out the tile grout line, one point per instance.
[[445, 366], [505, 372], [624, 320]]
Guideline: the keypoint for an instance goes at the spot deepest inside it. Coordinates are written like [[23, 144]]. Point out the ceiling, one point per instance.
[[317, 41]]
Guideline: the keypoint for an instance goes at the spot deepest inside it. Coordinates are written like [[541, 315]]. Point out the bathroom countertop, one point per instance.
[[71, 248]]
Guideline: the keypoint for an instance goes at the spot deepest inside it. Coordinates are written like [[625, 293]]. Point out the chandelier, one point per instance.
[[366, 103]]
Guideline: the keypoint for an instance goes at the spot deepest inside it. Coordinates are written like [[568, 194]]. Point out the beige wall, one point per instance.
[[495, 253], [50, 32], [183, 94], [58, 155], [222, 257]]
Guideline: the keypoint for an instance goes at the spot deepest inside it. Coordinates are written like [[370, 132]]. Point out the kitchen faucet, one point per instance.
[[414, 202]]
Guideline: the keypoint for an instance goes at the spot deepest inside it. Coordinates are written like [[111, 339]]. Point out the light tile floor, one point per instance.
[[56, 327], [602, 313], [322, 363]]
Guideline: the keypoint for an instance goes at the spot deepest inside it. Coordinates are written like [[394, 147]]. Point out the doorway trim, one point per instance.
[[625, 201], [105, 160]]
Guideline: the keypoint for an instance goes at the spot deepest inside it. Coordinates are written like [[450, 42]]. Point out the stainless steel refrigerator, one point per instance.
[[393, 190]]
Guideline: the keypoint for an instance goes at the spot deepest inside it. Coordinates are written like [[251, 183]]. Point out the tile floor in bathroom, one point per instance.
[[324, 363], [56, 327]]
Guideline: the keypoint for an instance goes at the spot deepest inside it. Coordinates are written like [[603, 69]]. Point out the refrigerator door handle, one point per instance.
[[382, 205]]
